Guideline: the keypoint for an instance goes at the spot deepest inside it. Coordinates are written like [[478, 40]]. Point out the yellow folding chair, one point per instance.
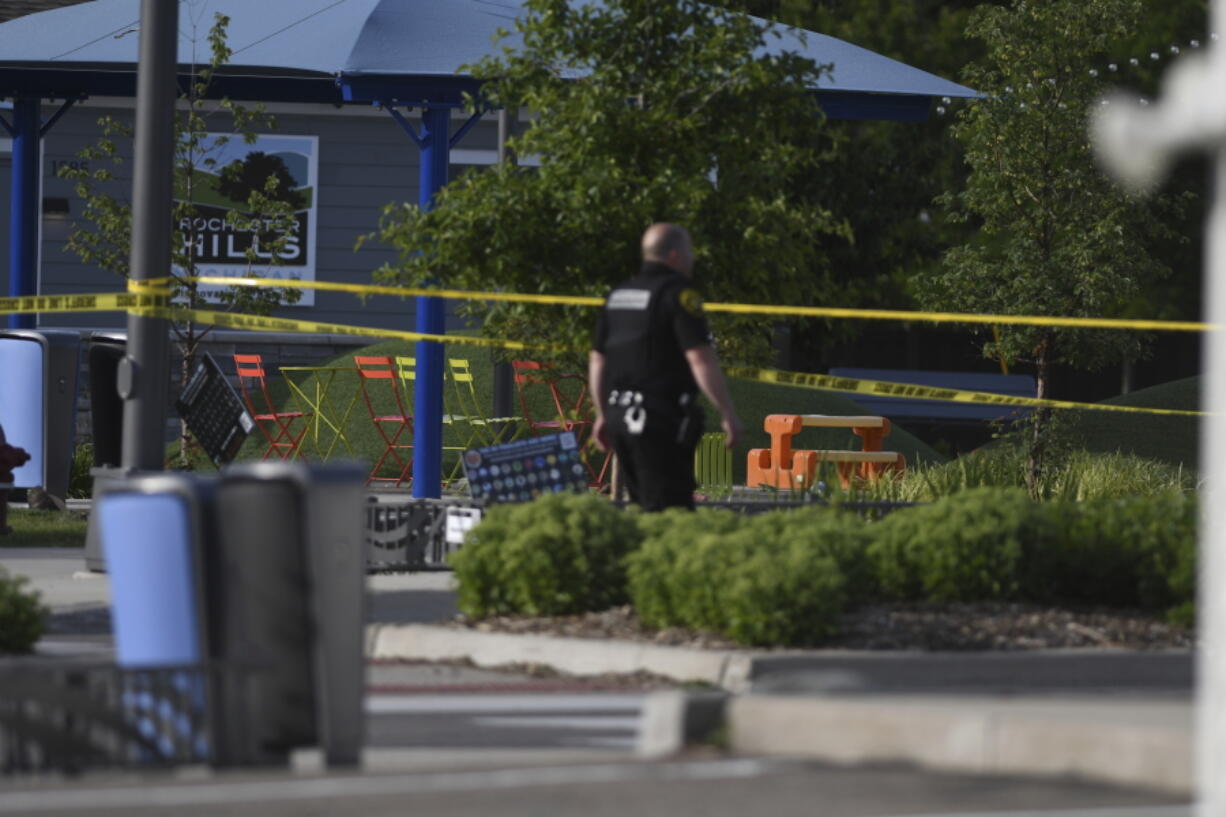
[[483, 430], [406, 368]]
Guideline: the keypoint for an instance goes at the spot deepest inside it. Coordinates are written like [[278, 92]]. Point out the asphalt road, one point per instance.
[[460, 741], [710, 787]]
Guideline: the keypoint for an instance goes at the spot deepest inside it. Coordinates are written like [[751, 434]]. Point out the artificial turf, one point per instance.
[[754, 401], [1168, 438]]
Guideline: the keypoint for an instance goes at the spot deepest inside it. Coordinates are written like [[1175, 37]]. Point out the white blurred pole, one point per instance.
[[1138, 143], [1211, 669]]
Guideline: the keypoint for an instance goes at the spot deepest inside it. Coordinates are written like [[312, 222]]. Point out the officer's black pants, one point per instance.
[[658, 463]]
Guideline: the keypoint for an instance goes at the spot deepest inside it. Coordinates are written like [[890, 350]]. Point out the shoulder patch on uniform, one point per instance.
[[690, 301]]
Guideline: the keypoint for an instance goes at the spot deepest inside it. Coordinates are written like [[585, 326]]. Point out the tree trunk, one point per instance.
[[1039, 420]]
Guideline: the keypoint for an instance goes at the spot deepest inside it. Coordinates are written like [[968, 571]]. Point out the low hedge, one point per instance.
[[763, 580], [784, 577], [23, 618], [562, 554], [966, 547], [1137, 552]]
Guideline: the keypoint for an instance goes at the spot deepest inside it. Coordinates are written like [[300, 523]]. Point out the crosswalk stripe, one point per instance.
[[474, 704]]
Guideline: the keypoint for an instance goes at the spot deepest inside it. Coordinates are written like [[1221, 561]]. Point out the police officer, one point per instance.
[[652, 354]]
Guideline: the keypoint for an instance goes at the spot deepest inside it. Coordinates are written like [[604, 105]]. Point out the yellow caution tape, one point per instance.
[[883, 388], [745, 309], [150, 286], [150, 297], [260, 323], [88, 302], [963, 317], [802, 379], [402, 292], [159, 286]]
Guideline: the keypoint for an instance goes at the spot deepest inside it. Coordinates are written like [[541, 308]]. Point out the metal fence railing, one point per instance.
[[67, 716]]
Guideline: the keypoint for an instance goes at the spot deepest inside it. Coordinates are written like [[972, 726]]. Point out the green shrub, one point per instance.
[[966, 547], [1078, 565], [1080, 475], [787, 595], [1160, 531], [1087, 476], [1181, 577], [839, 534], [558, 555], [80, 482], [23, 619], [668, 578], [998, 466], [773, 579], [1133, 552]]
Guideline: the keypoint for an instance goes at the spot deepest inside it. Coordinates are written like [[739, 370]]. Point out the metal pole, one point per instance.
[[144, 371], [504, 384], [25, 209], [428, 397]]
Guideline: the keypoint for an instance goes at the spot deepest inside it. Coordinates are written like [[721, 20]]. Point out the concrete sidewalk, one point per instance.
[[1118, 716]]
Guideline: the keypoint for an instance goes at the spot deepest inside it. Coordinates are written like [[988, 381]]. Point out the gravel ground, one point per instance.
[[983, 626]]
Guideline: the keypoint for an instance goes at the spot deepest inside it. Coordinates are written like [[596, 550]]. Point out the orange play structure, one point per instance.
[[782, 467]]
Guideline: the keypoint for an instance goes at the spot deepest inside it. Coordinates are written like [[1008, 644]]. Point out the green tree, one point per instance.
[[1054, 236], [646, 111], [103, 237], [263, 173], [888, 173]]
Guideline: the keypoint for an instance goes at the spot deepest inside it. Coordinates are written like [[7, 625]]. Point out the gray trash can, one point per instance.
[[38, 403], [289, 593]]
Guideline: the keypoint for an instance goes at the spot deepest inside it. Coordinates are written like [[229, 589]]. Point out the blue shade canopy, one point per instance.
[[364, 50]]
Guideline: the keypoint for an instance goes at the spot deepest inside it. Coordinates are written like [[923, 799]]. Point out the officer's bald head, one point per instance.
[[669, 244]]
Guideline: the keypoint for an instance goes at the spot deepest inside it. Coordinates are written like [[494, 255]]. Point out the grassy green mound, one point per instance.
[[345, 406], [1172, 439], [753, 400]]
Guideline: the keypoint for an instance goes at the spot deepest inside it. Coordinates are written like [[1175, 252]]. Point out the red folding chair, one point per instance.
[[568, 400], [286, 441], [573, 406], [392, 426]]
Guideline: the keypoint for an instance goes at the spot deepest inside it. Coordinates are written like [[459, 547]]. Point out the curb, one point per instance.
[[1139, 735], [1031, 736], [673, 720], [726, 669]]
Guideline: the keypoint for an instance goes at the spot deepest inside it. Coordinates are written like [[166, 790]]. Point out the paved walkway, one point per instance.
[[1124, 717]]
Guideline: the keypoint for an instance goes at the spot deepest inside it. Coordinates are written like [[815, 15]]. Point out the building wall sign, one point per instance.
[[220, 247]]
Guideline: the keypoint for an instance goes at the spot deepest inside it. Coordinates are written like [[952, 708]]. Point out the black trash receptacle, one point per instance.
[[105, 350]]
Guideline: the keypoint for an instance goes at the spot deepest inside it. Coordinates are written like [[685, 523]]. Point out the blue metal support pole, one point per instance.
[[428, 397], [25, 209]]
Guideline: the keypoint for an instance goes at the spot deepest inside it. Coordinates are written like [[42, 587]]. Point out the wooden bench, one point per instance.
[[900, 407], [782, 467]]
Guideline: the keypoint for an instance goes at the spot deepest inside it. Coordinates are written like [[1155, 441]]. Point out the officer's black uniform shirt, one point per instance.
[[644, 330]]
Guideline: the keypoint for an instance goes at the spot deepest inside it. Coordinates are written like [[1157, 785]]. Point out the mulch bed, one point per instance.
[[921, 626]]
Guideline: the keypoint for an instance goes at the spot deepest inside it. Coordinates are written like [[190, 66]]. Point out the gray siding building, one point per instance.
[[364, 160]]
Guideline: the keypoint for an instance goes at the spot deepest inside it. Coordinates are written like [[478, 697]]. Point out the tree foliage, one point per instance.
[[889, 173], [1054, 235], [104, 235], [645, 111], [261, 173]]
